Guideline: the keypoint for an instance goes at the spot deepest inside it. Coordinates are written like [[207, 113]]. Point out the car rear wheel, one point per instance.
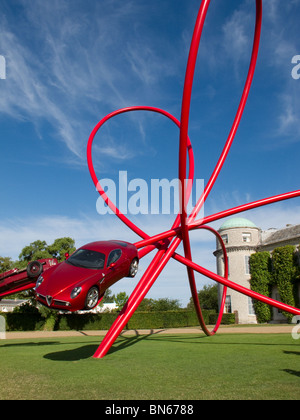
[[34, 269], [134, 266], [92, 298]]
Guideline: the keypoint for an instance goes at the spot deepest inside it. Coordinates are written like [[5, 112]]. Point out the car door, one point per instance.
[[115, 267]]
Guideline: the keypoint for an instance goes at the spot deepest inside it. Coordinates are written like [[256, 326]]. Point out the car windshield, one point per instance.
[[87, 259]]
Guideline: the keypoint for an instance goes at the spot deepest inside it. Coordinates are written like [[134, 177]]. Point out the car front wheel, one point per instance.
[[92, 298], [134, 266]]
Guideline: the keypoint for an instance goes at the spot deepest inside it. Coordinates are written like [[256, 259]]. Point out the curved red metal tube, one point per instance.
[[238, 116], [186, 101], [167, 242], [248, 292], [222, 304], [99, 188]]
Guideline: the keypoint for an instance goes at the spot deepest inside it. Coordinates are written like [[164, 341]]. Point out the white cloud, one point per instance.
[[237, 39], [279, 43], [289, 121], [173, 281], [17, 233], [70, 68], [26, 97]]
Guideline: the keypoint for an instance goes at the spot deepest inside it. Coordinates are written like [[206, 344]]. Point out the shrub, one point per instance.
[[22, 322], [284, 272], [260, 282], [281, 270]]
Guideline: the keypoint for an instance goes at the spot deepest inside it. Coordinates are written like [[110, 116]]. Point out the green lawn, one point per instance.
[[176, 367]]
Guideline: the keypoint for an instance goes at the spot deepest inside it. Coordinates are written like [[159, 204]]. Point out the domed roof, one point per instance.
[[236, 222]]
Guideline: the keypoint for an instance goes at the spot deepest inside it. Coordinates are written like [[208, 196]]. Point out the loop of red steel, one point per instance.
[[167, 242]]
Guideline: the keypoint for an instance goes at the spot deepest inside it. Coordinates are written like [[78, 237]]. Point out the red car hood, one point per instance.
[[63, 276]]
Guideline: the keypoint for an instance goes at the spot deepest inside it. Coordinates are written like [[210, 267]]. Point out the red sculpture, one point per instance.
[[167, 242], [18, 280]]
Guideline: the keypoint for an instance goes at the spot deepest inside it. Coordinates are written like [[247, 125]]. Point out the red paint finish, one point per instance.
[[80, 282], [15, 280], [166, 243]]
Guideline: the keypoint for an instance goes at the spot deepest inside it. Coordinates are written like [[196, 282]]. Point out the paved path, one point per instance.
[[225, 329]]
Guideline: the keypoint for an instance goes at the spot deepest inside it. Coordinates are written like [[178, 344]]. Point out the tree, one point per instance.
[[165, 304], [120, 300], [158, 305], [35, 251], [61, 247], [6, 264], [26, 308], [146, 305], [39, 249], [208, 298], [108, 297]]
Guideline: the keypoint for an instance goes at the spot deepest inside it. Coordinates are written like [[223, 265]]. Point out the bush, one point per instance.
[[227, 319], [284, 274], [88, 321], [281, 270], [50, 322], [261, 279], [139, 320], [22, 322]]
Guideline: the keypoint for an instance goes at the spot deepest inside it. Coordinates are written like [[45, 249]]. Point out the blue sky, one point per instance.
[[69, 63]]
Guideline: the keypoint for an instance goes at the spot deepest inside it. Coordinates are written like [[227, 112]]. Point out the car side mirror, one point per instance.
[[112, 265], [67, 255]]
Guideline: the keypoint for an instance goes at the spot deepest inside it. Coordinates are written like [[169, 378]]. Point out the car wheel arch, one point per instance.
[[95, 299]]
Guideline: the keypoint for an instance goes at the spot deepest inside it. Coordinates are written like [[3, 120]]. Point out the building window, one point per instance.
[[225, 238], [247, 264], [246, 237], [228, 305], [251, 310]]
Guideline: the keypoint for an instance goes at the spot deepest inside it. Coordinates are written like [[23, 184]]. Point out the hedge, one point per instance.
[[284, 273], [23, 322], [88, 321], [280, 269], [261, 279]]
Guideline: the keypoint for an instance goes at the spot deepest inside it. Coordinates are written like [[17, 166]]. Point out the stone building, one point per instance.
[[243, 238], [8, 305]]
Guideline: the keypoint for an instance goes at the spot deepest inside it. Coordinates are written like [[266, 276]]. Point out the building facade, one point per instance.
[[243, 238], [8, 305]]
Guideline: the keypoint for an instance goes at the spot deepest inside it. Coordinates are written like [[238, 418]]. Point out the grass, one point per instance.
[[153, 367]]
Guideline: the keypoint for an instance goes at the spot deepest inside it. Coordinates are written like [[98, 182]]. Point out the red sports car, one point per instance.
[[15, 280], [80, 282]]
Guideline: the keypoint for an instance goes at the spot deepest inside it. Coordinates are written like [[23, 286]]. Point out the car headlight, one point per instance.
[[39, 281], [75, 292]]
